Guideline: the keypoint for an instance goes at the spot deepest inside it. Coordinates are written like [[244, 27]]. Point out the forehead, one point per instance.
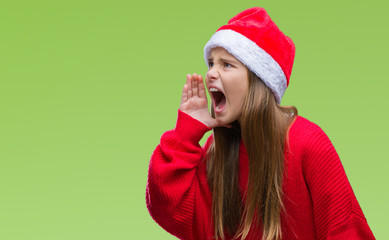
[[219, 51]]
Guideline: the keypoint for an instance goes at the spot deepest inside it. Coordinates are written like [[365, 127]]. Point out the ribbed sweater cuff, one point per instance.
[[190, 129]]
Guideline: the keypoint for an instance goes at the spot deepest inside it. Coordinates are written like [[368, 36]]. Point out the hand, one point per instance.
[[194, 101]]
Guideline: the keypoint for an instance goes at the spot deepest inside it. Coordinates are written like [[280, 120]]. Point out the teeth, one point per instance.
[[212, 89]]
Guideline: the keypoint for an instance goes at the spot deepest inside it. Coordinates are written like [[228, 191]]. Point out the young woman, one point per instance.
[[265, 173]]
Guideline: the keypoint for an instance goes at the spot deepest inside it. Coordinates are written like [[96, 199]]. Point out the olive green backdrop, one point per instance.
[[88, 87]]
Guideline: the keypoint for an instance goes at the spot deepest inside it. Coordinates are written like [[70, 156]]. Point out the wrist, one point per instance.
[[190, 128]]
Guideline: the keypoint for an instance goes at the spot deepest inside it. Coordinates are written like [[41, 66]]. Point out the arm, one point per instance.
[[336, 209], [172, 180]]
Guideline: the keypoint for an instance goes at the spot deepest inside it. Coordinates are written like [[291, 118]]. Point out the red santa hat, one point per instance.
[[255, 40]]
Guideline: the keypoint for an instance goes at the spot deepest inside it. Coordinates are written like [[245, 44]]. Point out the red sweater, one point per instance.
[[318, 198]]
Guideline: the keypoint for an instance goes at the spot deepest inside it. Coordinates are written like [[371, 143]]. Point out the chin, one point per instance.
[[225, 119]]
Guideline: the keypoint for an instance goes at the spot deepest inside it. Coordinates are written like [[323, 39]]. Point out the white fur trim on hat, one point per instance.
[[252, 56]]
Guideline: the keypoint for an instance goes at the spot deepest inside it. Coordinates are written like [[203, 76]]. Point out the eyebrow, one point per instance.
[[223, 60]]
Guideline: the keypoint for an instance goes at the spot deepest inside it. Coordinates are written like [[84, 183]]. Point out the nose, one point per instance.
[[212, 74]]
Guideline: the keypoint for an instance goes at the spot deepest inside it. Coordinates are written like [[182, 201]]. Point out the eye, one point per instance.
[[226, 64], [210, 64]]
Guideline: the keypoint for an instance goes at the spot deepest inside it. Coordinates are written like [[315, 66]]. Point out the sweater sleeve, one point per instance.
[[172, 182], [336, 210]]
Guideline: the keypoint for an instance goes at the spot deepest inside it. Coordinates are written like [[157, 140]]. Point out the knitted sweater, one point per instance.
[[318, 198]]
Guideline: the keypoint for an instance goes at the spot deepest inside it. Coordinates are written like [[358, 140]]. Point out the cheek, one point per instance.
[[237, 86], [237, 96], [240, 90]]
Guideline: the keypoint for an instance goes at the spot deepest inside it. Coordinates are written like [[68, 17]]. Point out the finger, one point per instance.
[[196, 85], [184, 96], [202, 92], [189, 83], [195, 89]]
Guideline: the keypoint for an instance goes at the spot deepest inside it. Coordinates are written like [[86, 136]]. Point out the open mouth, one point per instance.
[[219, 100]]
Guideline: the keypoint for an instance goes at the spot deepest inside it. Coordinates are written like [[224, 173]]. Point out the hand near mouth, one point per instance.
[[194, 101]]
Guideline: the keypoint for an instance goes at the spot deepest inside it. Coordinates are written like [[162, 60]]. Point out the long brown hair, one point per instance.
[[263, 127]]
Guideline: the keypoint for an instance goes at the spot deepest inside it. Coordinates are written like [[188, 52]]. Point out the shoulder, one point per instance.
[[305, 135], [303, 129]]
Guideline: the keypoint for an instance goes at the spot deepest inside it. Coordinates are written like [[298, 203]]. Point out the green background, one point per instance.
[[88, 87]]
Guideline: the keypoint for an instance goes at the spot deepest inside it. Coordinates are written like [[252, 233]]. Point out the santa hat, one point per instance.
[[255, 40]]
